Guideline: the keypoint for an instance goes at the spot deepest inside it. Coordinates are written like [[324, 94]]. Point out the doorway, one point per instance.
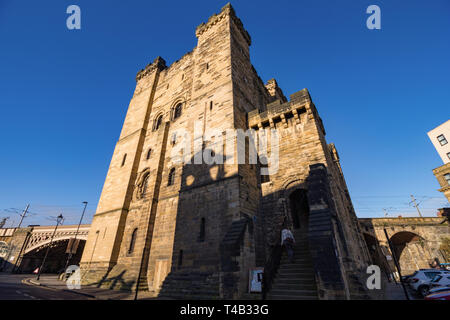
[[299, 210]]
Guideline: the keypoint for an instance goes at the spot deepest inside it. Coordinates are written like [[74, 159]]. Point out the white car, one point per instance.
[[438, 289], [440, 281], [420, 280]]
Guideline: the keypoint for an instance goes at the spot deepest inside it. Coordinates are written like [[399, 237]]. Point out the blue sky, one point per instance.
[[64, 94]]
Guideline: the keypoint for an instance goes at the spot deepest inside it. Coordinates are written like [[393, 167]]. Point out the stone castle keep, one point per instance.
[[196, 230]]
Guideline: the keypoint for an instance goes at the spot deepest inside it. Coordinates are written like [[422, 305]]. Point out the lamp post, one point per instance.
[[76, 234], [59, 219]]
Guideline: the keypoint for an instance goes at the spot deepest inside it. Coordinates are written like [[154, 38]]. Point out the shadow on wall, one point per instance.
[[204, 213], [5, 266], [214, 245], [116, 282]]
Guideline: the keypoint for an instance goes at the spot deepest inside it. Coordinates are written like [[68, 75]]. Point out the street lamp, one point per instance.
[[59, 219], [74, 239]]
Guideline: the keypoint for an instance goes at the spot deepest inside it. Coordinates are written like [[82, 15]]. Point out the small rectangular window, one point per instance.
[[180, 258], [201, 237], [448, 155], [442, 140]]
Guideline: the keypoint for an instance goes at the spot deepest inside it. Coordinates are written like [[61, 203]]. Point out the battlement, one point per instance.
[[227, 10], [159, 63], [298, 103], [274, 90]]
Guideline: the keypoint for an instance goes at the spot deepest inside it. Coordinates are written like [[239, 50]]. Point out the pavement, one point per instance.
[[26, 287], [394, 291]]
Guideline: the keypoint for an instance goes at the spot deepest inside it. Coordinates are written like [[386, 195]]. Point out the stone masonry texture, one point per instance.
[[195, 230]]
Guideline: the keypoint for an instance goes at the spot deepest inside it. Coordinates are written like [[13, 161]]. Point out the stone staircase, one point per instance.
[[296, 280], [357, 289], [143, 283], [193, 285]]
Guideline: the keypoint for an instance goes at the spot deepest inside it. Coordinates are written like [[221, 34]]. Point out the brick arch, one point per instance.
[[289, 187], [292, 185], [406, 236], [410, 250]]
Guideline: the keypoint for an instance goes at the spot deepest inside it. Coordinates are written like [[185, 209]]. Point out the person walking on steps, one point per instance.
[[287, 240]]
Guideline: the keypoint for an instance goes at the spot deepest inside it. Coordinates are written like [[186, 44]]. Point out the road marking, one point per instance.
[[25, 294]]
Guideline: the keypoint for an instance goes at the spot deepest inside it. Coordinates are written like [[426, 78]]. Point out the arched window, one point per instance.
[[201, 237], [171, 179], [132, 240], [177, 111], [124, 159], [158, 122], [149, 153], [145, 185]]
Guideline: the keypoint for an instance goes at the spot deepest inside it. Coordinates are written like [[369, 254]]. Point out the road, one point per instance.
[[12, 288]]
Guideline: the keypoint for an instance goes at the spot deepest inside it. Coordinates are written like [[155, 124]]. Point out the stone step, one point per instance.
[[294, 286], [188, 297], [295, 272], [296, 275], [296, 259], [188, 292], [297, 266], [296, 280], [294, 293], [289, 297]]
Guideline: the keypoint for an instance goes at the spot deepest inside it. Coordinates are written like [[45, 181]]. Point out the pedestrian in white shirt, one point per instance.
[[287, 240]]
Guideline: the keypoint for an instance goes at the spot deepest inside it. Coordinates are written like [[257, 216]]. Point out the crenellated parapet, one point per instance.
[[274, 90], [158, 64], [227, 11], [277, 111]]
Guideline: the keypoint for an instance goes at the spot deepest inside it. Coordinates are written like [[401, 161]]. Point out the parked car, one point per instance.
[[442, 295], [442, 280], [438, 289], [420, 280], [445, 266], [406, 278]]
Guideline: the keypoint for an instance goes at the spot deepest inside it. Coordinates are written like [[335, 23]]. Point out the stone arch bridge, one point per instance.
[[22, 249], [416, 241]]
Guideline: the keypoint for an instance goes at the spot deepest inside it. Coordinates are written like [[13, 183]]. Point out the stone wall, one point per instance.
[[162, 223], [416, 241], [439, 173]]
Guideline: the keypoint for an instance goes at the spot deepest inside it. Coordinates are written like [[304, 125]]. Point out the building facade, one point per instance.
[[439, 137], [192, 229]]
